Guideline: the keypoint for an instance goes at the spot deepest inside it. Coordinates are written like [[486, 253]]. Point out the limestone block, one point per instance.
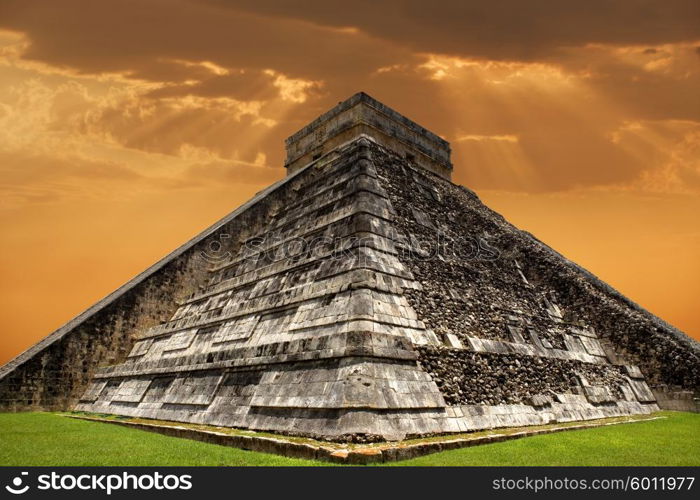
[[633, 371], [453, 341], [641, 391]]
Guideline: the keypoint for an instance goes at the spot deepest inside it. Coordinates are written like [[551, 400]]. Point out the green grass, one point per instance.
[[674, 440], [53, 440], [48, 439]]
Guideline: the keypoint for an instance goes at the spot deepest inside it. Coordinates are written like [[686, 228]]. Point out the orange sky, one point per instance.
[[128, 126]]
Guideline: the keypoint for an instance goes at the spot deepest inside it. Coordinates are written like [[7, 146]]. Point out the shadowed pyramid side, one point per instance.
[[525, 334]]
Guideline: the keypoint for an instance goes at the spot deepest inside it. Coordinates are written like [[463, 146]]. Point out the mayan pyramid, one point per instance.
[[364, 296]]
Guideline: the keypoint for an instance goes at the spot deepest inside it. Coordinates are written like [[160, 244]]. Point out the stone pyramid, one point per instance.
[[363, 297]]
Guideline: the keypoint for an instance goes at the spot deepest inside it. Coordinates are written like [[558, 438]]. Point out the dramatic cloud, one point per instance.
[[497, 29], [129, 35]]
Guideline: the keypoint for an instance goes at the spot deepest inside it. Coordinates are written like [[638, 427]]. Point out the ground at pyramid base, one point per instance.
[[364, 297]]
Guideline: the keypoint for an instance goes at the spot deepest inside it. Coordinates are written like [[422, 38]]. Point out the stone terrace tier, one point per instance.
[[363, 115]]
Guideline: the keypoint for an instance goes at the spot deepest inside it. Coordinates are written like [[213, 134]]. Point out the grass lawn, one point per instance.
[[47, 439], [674, 440], [52, 440]]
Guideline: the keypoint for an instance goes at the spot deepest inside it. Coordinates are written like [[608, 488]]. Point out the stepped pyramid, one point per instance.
[[363, 297]]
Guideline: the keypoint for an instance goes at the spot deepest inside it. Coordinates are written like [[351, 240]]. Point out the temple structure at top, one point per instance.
[[362, 115]]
